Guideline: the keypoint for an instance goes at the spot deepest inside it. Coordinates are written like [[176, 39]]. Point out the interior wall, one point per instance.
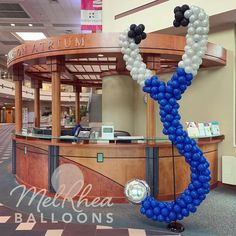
[[150, 17], [118, 102]]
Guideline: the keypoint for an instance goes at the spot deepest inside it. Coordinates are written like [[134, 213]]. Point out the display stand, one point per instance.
[[174, 226]]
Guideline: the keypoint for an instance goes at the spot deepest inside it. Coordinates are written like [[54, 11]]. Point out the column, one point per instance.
[[56, 66], [151, 119], [18, 76], [77, 104], [36, 85]]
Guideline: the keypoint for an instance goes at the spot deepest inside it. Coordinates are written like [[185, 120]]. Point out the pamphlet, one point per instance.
[[215, 129], [201, 129], [192, 129], [207, 128]]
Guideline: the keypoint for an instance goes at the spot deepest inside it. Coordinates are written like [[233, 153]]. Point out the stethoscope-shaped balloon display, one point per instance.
[[167, 95]]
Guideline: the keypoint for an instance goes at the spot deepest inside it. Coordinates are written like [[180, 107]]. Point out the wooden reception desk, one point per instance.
[[33, 165]]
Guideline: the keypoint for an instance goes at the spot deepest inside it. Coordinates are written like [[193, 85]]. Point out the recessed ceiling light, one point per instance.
[[100, 55], [13, 24], [31, 36], [5, 55], [30, 25]]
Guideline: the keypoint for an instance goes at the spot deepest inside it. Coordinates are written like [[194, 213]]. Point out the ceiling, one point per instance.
[[52, 17]]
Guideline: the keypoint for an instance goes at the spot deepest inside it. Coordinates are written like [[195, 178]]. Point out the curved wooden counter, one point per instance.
[[122, 162]]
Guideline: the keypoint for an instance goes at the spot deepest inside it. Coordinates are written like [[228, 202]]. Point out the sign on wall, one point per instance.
[[91, 15]]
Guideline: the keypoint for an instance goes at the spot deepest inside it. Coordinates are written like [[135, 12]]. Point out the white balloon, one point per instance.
[[143, 65], [191, 30], [195, 66], [129, 67], [203, 42], [200, 53], [199, 30], [141, 83], [141, 70], [127, 51], [130, 61], [184, 57], [188, 69], [125, 57], [205, 30], [188, 13], [202, 16], [133, 54], [190, 52], [196, 46], [187, 62], [205, 23], [133, 46], [194, 72], [125, 44], [140, 76], [137, 63], [190, 41], [192, 18], [134, 70], [181, 64], [196, 59], [196, 10], [196, 23], [196, 37]]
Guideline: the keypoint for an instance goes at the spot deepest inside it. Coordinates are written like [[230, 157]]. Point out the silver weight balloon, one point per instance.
[[136, 191]]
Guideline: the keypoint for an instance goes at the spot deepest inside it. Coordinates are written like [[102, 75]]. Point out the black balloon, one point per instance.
[[184, 22], [176, 23], [137, 39], [142, 27], [138, 30], [144, 35], [177, 9], [185, 7], [131, 34], [179, 16], [132, 27]]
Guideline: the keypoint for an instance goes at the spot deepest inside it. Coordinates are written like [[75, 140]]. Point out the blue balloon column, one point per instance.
[[167, 96]]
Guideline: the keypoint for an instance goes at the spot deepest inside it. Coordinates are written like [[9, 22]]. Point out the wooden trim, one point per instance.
[[18, 106], [37, 107], [138, 9], [151, 120]]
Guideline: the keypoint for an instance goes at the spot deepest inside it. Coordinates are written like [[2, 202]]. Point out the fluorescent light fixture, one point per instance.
[[100, 55], [31, 36], [30, 25], [13, 24]]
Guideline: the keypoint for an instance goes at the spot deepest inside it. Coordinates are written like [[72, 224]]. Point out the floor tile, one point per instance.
[[54, 232], [25, 226], [4, 219]]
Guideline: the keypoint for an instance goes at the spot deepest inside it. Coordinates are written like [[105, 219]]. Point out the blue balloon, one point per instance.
[[154, 90], [154, 81], [148, 82], [164, 211], [177, 208], [149, 213], [163, 102], [182, 80], [156, 210], [160, 96], [189, 77], [169, 89], [146, 89], [162, 88], [180, 71], [168, 95]]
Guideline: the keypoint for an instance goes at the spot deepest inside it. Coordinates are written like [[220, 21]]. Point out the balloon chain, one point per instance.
[[167, 95]]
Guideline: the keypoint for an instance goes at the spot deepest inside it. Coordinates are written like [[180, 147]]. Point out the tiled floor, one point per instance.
[[10, 225]]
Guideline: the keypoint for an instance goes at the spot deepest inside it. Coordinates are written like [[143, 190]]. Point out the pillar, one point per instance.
[[18, 76], [77, 104], [151, 120], [36, 85], [56, 66]]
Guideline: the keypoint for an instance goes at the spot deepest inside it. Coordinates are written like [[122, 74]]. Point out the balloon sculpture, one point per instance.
[[167, 95]]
